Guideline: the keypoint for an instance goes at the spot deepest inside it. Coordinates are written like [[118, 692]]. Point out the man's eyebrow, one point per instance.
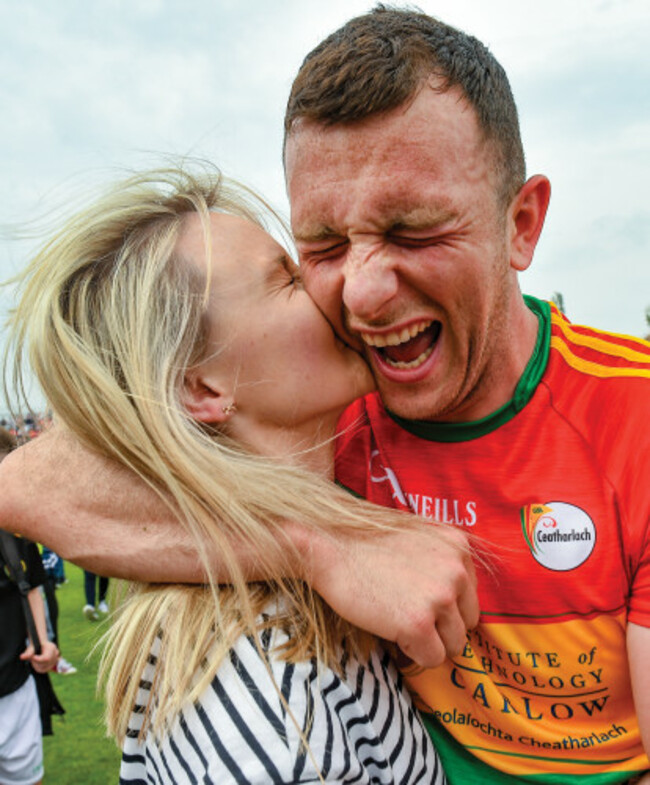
[[423, 219], [315, 235], [416, 220]]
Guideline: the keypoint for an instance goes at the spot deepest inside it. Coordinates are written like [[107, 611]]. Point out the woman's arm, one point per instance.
[[416, 588]]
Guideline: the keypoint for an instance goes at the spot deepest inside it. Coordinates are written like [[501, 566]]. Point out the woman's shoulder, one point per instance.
[[264, 719]]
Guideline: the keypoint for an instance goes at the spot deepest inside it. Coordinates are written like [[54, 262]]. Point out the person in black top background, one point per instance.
[[21, 748]]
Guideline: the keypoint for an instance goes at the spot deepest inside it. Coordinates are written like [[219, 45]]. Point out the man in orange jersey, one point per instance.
[[413, 217]]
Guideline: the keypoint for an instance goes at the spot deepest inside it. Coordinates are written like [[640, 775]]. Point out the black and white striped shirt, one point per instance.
[[361, 728]]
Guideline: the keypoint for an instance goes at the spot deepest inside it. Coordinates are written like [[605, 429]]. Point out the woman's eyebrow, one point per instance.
[[288, 263], [281, 264]]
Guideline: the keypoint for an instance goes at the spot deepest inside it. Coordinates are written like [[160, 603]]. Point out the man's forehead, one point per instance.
[[432, 103], [381, 201], [432, 131], [331, 198]]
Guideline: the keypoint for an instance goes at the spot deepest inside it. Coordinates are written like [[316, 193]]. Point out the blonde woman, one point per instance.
[[171, 333]]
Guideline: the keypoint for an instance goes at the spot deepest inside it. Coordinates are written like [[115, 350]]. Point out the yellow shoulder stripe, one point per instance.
[[601, 344], [592, 368]]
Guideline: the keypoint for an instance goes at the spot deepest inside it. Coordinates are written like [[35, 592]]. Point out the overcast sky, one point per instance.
[[90, 87]]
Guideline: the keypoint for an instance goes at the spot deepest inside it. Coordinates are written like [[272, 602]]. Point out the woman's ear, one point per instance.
[[204, 399]]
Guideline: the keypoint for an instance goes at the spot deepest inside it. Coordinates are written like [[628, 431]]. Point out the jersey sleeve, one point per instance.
[[636, 509], [627, 464]]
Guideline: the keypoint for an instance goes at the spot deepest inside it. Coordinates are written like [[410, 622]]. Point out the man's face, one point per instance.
[[403, 245]]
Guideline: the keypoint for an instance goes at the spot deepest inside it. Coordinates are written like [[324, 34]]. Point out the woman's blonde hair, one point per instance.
[[110, 319]]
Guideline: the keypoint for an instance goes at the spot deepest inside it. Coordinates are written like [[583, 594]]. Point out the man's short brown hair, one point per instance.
[[379, 61]]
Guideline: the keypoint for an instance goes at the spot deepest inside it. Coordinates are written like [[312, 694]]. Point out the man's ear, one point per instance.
[[205, 399], [526, 218]]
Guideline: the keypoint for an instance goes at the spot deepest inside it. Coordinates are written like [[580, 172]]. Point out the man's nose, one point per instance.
[[370, 283]]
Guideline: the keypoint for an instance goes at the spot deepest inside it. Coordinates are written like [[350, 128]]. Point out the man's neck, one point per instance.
[[476, 424], [500, 379]]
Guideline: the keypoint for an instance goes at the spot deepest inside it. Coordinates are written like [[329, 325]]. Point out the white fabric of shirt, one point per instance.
[[361, 728]]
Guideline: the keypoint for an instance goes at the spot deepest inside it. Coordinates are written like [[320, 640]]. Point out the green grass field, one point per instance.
[[78, 753]]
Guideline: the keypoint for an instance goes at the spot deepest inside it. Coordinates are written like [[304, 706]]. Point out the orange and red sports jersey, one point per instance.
[[554, 490]]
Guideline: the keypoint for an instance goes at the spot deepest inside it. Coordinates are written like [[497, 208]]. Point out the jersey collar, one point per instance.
[[465, 431]]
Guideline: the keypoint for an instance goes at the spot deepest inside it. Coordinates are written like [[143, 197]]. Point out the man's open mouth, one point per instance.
[[407, 348]]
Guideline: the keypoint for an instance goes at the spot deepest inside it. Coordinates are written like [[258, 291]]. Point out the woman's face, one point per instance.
[[267, 339]]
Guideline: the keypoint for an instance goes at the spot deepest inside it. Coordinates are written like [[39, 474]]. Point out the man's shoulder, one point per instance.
[[595, 351], [363, 415], [596, 368], [359, 430], [599, 382]]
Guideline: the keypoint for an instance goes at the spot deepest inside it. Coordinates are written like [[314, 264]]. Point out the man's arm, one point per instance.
[[638, 652], [93, 512], [416, 588], [46, 660]]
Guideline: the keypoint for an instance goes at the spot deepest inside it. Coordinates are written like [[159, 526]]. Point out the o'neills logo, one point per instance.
[[559, 535], [381, 473]]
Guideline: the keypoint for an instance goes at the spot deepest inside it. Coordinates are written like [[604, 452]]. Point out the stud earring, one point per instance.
[[231, 408]]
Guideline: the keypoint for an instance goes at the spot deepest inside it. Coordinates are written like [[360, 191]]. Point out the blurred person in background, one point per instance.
[[54, 577], [21, 744], [95, 591]]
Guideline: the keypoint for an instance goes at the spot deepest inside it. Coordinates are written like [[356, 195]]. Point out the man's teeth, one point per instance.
[[398, 337], [395, 338]]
